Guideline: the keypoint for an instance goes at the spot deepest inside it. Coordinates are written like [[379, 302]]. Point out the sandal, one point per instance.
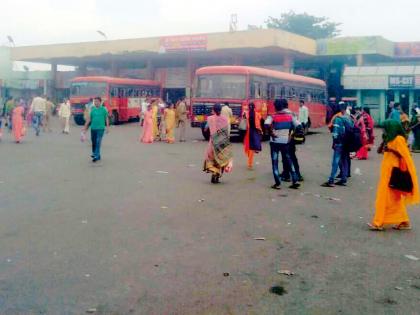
[[402, 227], [374, 227], [275, 186]]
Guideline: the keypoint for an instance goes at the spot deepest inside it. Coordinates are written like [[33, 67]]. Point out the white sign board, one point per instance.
[[365, 82], [134, 102]]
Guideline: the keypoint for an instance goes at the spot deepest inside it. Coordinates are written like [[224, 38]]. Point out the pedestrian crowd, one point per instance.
[[352, 131], [159, 121], [18, 114]]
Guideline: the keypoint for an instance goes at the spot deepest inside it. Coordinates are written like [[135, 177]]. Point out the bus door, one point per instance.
[[123, 104]]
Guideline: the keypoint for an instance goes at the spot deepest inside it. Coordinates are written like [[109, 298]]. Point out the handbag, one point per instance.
[[242, 125], [401, 180]]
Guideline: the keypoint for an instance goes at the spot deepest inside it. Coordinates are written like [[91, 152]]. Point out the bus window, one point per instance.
[[292, 93], [302, 94], [272, 91], [259, 87], [322, 97], [256, 90], [309, 95]]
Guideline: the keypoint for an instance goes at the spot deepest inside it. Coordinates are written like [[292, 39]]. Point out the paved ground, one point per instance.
[[123, 238]]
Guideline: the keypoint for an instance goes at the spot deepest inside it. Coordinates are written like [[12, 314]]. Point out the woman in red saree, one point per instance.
[[370, 124], [252, 140], [362, 154], [218, 157], [17, 122]]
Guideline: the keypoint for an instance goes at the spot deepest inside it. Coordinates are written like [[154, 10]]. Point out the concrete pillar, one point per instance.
[[191, 67], [82, 69], [150, 70], [359, 98], [115, 69], [237, 60], [383, 106], [359, 60], [45, 87], [53, 93], [396, 96], [288, 63], [410, 102]]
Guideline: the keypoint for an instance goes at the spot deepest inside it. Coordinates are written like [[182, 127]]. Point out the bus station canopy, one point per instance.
[[250, 41]]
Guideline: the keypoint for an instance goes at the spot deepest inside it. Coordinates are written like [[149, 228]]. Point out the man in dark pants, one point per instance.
[[285, 176], [340, 156], [281, 125], [99, 123]]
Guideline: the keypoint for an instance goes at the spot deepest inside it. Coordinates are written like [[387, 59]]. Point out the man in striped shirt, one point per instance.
[[281, 125]]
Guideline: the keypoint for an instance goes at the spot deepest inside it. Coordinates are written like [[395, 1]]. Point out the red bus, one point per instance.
[[241, 85], [122, 97]]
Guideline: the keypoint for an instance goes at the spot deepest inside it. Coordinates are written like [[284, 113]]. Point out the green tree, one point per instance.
[[305, 25]]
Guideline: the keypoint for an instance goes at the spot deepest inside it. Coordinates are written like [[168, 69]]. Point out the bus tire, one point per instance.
[[79, 120], [114, 118], [241, 135], [206, 133]]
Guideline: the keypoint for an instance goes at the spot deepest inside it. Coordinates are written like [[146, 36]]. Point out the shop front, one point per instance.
[[375, 87]]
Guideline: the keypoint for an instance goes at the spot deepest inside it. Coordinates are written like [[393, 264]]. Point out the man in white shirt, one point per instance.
[[304, 115], [64, 113], [39, 109], [227, 112]]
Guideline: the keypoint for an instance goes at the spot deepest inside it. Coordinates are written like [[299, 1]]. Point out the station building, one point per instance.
[[368, 71]]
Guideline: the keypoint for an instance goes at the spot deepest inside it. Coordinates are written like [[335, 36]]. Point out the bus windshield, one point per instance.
[[88, 89], [229, 86]]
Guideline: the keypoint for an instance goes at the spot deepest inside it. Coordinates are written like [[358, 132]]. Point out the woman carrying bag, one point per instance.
[[398, 185], [252, 140]]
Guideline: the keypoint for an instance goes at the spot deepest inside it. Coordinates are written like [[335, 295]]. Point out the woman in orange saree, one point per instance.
[[218, 158], [17, 122], [391, 203], [148, 126], [252, 140]]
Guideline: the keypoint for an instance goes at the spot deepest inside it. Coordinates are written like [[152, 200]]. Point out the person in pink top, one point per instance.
[[17, 122], [218, 156], [148, 126]]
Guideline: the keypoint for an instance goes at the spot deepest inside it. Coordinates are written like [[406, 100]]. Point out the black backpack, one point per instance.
[[299, 135], [352, 141]]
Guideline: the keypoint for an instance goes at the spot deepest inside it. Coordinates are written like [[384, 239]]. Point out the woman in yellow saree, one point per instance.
[[170, 121], [155, 109], [391, 203]]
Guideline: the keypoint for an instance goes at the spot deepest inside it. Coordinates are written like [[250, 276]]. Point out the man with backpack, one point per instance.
[[342, 133], [281, 125]]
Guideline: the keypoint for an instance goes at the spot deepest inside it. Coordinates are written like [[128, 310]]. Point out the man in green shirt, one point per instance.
[[9, 106], [99, 123]]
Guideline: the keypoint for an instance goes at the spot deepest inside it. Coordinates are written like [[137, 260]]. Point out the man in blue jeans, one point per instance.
[[340, 156], [281, 125], [99, 123], [38, 108]]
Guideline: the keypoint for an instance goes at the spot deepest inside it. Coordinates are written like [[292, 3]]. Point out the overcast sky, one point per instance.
[[32, 22]]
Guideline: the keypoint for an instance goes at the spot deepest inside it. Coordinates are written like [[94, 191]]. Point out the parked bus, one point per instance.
[[122, 97], [241, 85]]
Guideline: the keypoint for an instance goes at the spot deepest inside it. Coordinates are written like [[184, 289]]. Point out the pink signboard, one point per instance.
[[183, 43]]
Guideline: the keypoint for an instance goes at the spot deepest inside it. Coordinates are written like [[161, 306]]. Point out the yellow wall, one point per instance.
[[216, 41]]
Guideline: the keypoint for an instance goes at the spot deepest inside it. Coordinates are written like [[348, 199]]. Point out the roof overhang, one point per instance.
[[200, 44]]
